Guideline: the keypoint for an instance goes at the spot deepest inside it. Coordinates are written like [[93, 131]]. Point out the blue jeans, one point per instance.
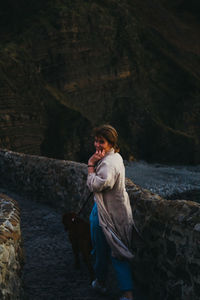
[[102, 253]]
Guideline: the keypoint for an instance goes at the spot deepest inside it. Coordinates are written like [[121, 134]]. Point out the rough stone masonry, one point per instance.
[[11, 254], [168, 266]]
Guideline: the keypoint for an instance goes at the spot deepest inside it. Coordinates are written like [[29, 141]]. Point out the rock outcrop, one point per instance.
[[22, 116], [69, 65], [168, 265]]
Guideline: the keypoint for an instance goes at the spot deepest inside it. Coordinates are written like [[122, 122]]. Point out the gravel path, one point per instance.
[[164, 180], [49, 273]]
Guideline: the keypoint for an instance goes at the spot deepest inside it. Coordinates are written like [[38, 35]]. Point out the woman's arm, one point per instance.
[[94, 159], [104, 177]]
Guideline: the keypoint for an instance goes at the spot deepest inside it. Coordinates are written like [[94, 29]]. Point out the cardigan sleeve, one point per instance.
[[104, 178]]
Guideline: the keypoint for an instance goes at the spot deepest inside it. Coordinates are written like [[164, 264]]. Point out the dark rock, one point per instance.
[[68, 67], [171, 249]]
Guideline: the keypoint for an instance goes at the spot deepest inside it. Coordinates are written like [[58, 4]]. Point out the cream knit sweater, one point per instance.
[[114, 210]]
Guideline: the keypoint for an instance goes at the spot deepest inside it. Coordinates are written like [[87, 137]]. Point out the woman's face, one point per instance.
[[101, 143]]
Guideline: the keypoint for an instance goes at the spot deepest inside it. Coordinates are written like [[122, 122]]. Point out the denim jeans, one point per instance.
[[102, 253]]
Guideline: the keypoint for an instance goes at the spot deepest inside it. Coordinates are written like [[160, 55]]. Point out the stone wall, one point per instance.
[[170, 262], [56, 182], [168, 266], [11, 254]]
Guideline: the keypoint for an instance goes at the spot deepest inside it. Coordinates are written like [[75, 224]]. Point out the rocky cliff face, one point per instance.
[[77, 64], [22, 115]]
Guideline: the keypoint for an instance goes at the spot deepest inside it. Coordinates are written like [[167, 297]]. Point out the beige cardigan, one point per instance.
[[114, 210]]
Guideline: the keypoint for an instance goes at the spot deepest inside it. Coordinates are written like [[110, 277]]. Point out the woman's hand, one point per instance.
[[99, 154]]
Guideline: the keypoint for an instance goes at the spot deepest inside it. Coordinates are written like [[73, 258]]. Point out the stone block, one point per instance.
[[11, 257]]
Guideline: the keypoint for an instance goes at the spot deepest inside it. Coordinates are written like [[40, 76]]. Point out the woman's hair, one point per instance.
[[109, 133]]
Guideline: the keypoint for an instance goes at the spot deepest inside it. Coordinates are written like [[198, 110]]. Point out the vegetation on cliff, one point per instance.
[[67, 66]]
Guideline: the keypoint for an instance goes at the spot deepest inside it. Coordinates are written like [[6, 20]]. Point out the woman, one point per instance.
[[111, 218]]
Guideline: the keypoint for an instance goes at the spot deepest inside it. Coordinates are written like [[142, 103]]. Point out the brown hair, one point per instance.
[[109, 133]]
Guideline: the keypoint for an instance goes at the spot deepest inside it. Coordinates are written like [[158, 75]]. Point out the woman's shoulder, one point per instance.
[[113, 158]]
